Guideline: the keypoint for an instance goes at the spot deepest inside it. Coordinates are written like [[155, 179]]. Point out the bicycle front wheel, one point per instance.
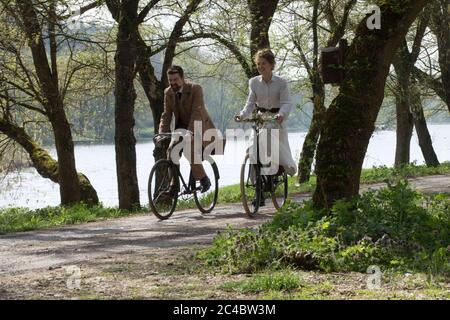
[[251, 185], [163, 186], [206, 201]]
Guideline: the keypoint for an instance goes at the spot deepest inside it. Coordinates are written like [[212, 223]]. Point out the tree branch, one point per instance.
[[143, 14], [228, 44]]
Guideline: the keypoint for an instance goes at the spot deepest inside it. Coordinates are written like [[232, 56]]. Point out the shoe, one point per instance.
[[205, 184]]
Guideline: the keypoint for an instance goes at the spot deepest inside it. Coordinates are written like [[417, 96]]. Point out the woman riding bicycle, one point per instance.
[[269, 93]]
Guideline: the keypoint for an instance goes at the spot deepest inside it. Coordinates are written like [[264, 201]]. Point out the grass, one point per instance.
[[169, 275], [308, 254], [23, 219], [395, 228], [289, 284], [380, 174], [276, 281]]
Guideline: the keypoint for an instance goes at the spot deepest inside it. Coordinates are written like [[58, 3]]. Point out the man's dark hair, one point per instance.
[[176, 69]]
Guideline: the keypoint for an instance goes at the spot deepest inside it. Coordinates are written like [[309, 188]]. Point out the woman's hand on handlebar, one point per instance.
[[279, 118]]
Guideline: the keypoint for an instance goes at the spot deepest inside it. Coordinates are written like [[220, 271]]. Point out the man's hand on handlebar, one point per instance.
[[157, 140]]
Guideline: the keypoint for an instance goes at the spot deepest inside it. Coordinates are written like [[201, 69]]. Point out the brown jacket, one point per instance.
[[191, 108]]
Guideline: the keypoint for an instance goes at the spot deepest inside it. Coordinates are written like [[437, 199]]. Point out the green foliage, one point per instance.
[[395, 228], [382, 173], [286, 280], [23, 219]]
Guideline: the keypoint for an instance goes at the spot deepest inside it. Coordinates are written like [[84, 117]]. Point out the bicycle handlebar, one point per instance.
[[258, 119], [164, 135]]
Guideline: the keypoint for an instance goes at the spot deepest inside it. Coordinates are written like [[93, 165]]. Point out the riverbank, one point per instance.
[[28, 189]]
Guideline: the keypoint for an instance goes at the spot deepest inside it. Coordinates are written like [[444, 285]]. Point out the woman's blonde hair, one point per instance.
[[267, 54]]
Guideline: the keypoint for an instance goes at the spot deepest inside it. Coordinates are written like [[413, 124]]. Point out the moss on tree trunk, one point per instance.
[[44, 164]]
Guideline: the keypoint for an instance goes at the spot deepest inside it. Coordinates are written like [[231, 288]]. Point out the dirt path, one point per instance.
[[77, 243], [29, 256]]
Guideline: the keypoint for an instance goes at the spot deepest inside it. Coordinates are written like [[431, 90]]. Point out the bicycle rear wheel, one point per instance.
[[279, 190], [250, 187], [206, 201], [162, 191]]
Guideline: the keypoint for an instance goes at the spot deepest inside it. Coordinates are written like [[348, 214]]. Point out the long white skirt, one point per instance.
[[274, 149]]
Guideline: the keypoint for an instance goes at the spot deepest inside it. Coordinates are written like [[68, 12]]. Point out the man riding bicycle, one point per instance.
[[183, 103]]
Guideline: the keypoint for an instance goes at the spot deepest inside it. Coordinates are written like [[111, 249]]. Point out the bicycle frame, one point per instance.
[[187, 187], [257, 123]]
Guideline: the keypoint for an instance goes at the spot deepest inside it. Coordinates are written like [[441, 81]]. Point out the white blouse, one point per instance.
[[274, 94]]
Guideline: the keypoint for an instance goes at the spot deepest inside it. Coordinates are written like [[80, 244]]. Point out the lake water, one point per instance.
[[97, 162]]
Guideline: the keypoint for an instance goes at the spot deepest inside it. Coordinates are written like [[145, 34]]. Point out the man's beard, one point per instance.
[[175, 87]]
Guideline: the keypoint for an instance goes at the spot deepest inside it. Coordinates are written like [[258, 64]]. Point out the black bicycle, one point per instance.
[[255, 185], [164, 185]]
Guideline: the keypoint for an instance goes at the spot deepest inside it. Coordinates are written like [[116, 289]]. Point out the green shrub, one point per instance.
[[394, 227]]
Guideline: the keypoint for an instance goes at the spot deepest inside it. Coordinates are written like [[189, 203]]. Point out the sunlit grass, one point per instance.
[[24, 219]]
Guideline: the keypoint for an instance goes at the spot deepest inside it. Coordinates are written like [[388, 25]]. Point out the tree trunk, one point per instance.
[[318, 87], [350, 120], [261, 14], [403, 133], [310, 144], [68, 176], [125, 96], [425, 143], [43, 162], [409, 104], [48, 81], [154, 88], [440, 26], [405, 123]]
